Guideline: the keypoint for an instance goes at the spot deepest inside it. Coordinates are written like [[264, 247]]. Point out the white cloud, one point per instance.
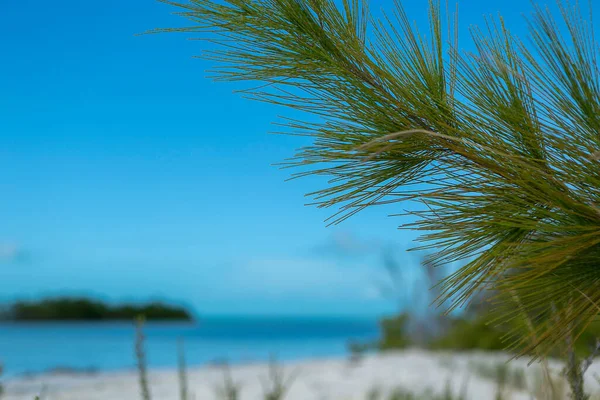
[[10, 252], [372, 293], [300, 277], [347, 244]]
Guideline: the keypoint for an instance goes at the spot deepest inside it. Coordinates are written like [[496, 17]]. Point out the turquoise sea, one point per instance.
[[28, 348]]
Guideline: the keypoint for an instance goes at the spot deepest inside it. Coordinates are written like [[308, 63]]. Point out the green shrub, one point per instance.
[[470, 334], [394, 332]]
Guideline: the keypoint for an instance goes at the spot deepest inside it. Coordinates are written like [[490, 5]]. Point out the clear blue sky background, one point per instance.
[[126, 174]]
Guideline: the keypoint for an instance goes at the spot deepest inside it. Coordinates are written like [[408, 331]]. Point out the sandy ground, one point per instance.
[[335, 379]]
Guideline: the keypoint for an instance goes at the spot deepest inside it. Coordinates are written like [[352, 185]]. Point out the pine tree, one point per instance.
[[500, 147]]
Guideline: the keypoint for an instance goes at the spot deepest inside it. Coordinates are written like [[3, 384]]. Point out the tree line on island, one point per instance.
[[83, 309]]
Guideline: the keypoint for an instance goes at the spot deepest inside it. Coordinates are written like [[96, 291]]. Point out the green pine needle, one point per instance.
[[500, 147]]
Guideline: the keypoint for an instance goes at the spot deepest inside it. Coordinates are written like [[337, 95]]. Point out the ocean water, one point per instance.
[[40, 347]]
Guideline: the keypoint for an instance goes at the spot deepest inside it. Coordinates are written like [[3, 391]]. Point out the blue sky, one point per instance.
[[125, 173]]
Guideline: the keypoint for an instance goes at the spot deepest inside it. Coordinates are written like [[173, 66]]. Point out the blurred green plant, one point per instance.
[[394, 332], [471, 331], [506, 376], [182, 371], [546, 386], [358, 350], [470, 334], [140, 355], [375, 393], [229, 389], [276, 385], [400, 393]]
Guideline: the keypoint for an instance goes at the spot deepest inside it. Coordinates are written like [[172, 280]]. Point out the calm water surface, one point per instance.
[[38, 347]]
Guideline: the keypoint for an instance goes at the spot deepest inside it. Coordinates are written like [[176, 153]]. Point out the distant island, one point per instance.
[[82, 309]]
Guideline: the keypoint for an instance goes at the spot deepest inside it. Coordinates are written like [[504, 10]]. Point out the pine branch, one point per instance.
[[495, 150]]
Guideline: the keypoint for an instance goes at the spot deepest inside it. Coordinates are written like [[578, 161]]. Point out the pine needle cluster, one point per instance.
[[499, 146]]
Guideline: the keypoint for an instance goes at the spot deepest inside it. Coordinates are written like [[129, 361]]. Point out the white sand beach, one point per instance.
[[333, 379]]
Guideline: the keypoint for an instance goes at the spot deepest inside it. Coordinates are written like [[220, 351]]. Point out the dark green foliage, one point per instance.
[[394, 332], [461, 334], [587, 340], [469, 334], [90, 310], [474, 331]]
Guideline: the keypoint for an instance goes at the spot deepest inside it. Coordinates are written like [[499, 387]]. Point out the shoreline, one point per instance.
[[329, 378], [214, 364]]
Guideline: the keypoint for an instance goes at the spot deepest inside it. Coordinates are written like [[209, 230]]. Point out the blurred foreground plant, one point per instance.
[[276, 385], [1, 385], [399, 393], [499, 148], [229, 389], [140, 355], [182, 372]]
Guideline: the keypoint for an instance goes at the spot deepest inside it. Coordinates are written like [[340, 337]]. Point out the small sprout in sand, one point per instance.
[[229, 389], [375, 393], [276, 386], [140, 354], [183, 380]]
